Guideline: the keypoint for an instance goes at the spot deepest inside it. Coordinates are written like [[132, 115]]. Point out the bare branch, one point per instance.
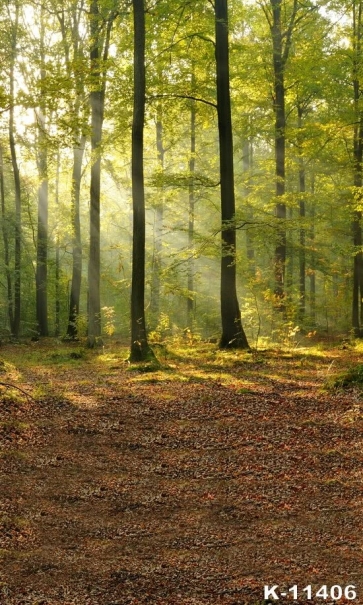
[[175, 96], [13, 386]]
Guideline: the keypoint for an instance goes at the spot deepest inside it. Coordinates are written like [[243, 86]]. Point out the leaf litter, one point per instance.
[[118, 489]]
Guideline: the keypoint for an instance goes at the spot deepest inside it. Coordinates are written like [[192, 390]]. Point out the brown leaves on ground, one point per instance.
[[197, 483]]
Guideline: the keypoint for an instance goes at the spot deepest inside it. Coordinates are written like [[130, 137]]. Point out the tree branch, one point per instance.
[[175, 96], [13, 386]]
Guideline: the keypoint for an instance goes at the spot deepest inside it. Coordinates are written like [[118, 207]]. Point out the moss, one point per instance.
[[353, 377]]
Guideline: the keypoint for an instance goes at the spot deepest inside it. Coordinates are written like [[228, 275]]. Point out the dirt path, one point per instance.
[[127, 488]]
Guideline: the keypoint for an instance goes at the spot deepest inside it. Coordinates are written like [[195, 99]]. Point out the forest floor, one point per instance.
[[196, 483]]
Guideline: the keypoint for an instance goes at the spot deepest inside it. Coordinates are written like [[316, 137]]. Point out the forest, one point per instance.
[[181, 302], [205, 164]]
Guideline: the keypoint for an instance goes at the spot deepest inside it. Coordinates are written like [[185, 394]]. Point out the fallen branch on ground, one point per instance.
[[13, 386]]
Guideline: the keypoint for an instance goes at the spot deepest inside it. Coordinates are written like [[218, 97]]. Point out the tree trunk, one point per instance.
[[140, 350], [57, 253], [42, 247], [41, 276], [74, 300], [15, 328], [302, 213], [232, 331], [97, 101], [158, 225], [246, 167], [9, 285], [357, 311], [280, 144], [191, 213], [312, 267]]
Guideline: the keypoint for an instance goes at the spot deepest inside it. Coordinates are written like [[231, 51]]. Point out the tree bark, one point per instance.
[[302, 213], [41, 276], [57, 253], [140, 350], [97, 101], [9, 283], [191, 213], [158, 224], [69, 21], [15, 328], [232, 331], [280, 144], [75, 294], [312, 261], [246, 167], [357, 308]]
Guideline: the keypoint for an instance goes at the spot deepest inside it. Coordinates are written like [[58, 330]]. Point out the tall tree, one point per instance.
[[281, 33], [70, 22], [357, 65], [4, 224], [41, 276], [191, 217], [15, 326], [100, 30], [158, 223], [232, 331], [140, 349], [57, 251]]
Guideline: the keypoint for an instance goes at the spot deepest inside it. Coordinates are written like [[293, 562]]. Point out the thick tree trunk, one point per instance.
[[140, 350], [74, 300], [97, 101], [232, 331]]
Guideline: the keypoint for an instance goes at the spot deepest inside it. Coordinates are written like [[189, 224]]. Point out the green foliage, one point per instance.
[[318, 76], [352, 377], [108, 314]]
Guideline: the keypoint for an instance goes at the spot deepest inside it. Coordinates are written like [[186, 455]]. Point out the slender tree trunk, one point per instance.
[[140, 349], [69, 21], [280, 144], [302, 234], [75, 294], [246, 167], [9, 285], [42, 236], [41, 276], [232, 331], [97, 101], [17, 186], [191, 213], [158, 225], [57, 253], [312, 267], [357, 310]]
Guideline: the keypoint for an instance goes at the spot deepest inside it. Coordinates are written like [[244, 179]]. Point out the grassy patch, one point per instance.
[[353, 377]]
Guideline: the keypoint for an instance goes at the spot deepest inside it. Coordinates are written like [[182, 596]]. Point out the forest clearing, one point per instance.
[[196, 481]]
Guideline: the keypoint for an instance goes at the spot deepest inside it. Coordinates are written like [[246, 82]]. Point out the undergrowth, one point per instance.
[[352, 377]]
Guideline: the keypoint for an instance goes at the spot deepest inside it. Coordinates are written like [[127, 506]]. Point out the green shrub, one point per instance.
[[349, 378]]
